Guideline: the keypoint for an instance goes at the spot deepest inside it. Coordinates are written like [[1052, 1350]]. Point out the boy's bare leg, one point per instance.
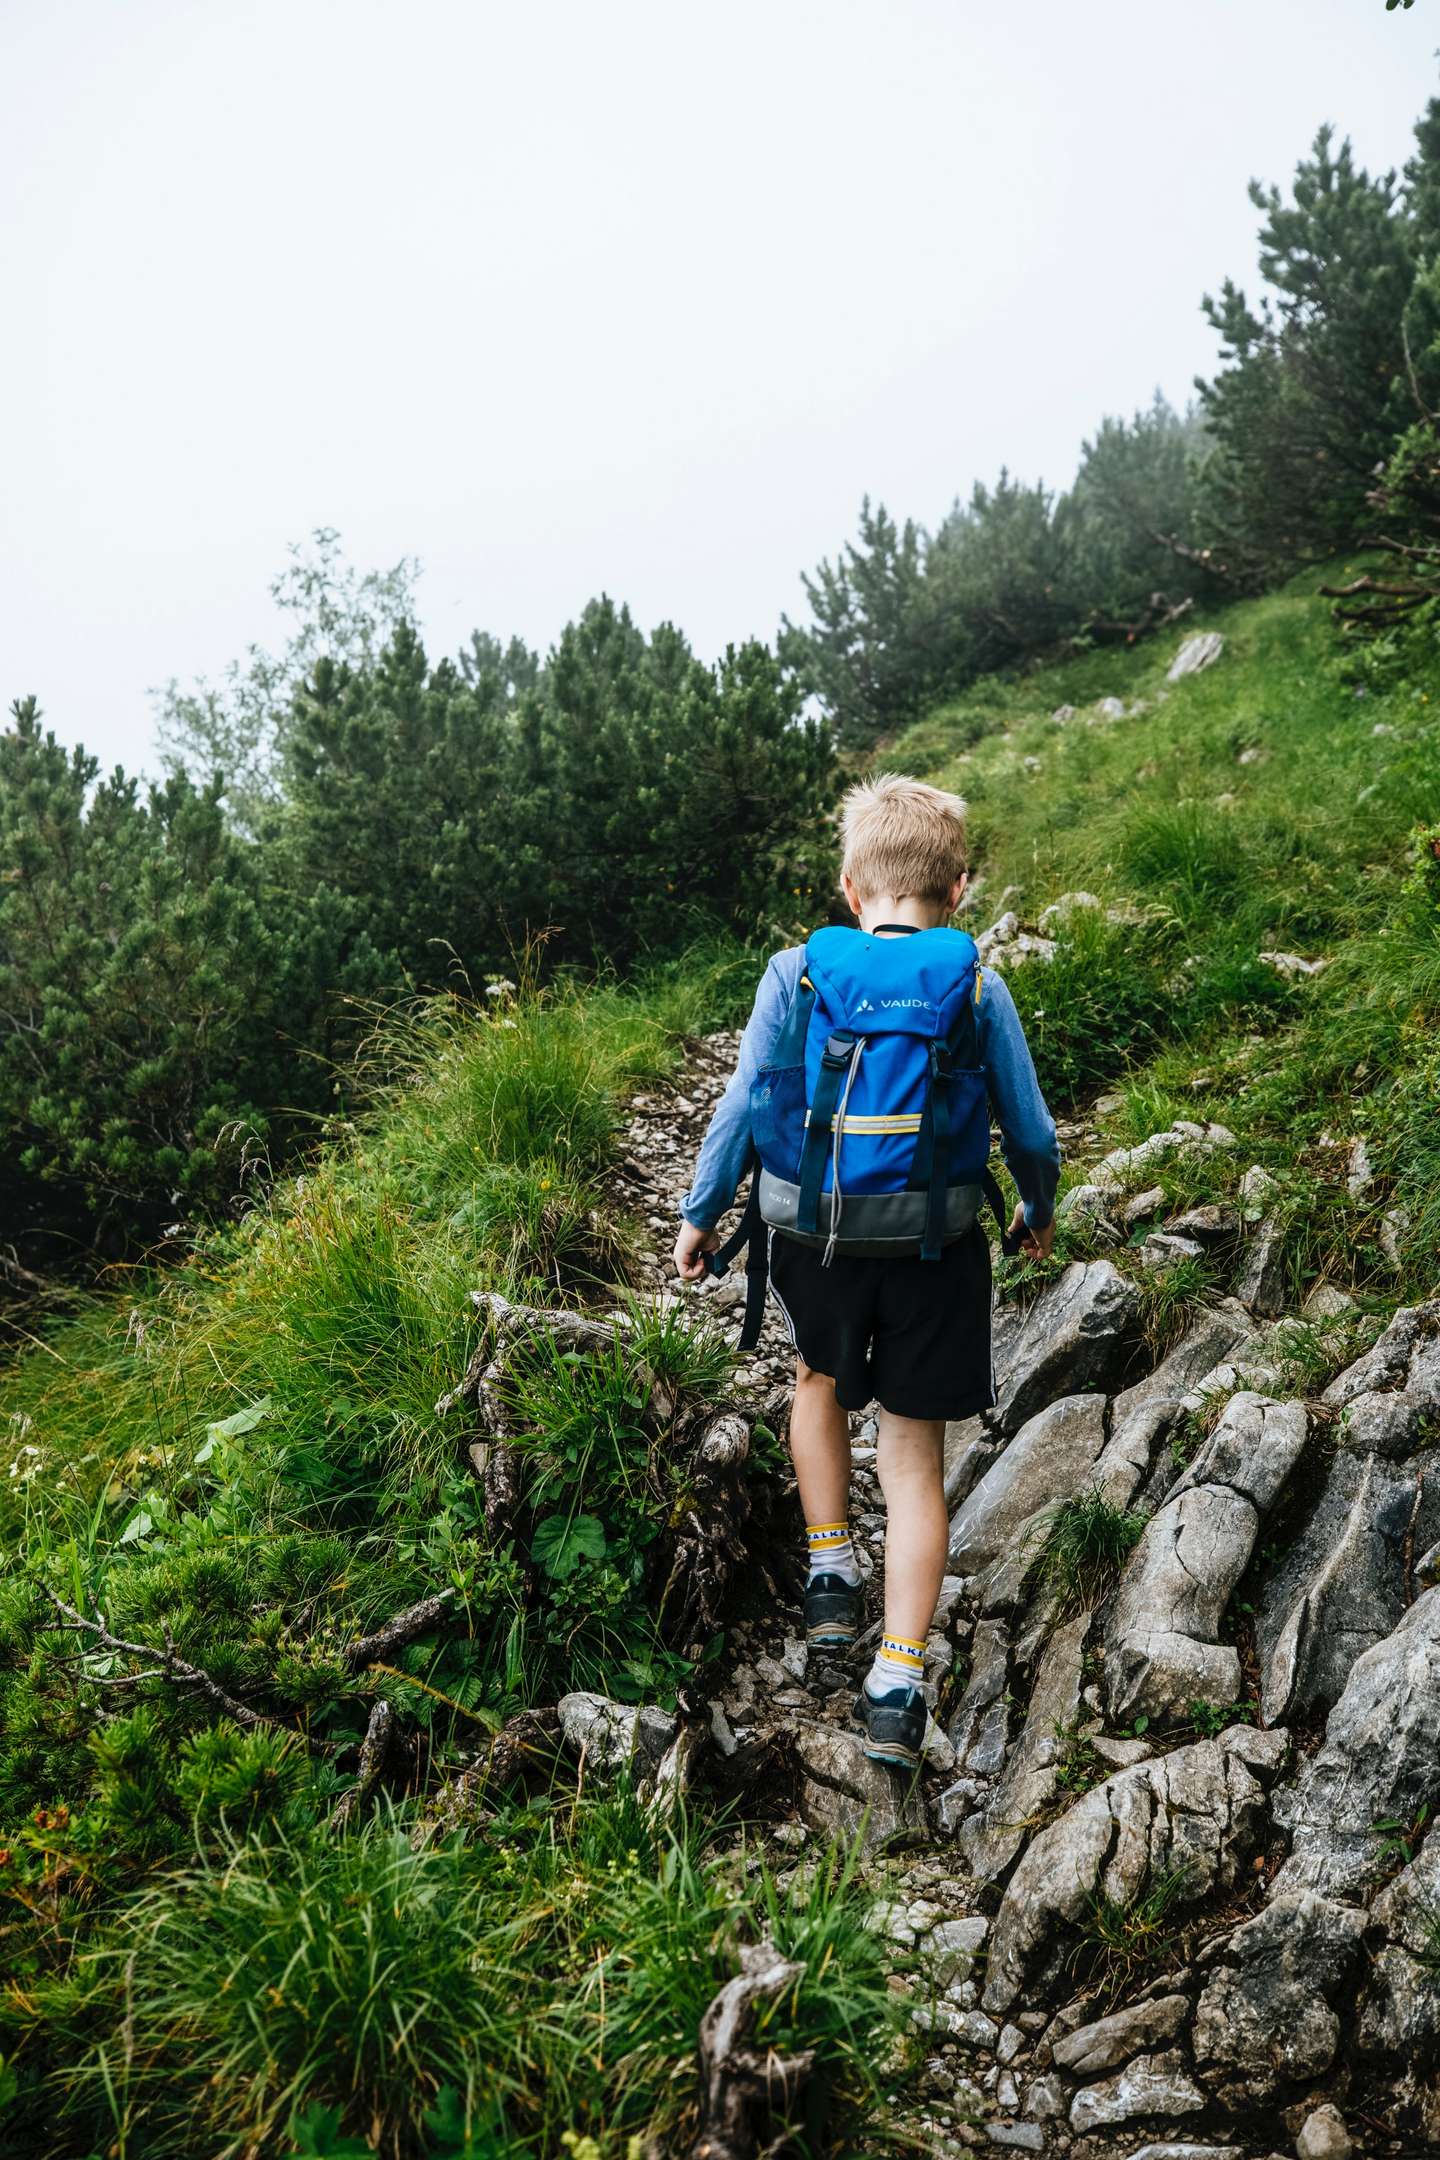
[[911, 1463], [820, 1448]]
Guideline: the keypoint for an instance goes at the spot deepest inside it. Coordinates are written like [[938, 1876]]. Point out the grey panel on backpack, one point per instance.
[[873, 1226]]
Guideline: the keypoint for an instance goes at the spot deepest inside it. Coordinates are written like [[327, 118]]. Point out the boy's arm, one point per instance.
[[725, 1150], [1027, 1130]]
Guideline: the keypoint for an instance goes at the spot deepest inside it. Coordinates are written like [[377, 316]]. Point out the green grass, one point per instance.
[[246, 1458], [1122, 1941], [1305, 848], [1082, 1545], [545, 1978]]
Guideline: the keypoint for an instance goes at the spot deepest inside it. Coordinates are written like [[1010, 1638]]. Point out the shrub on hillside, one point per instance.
[[157, 993]]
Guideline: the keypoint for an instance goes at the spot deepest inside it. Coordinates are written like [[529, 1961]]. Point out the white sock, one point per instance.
[[831, 1551], [898, 1663]]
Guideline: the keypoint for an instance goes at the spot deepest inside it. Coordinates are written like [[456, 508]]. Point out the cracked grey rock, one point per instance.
[[1391, 1397], [1261, 1284], [1143, 1416], [614, 1736], [1151, 2085], [969, 1452], [1268, 2018], [844, 1793], [1164, 1250], [1162, 1647], [1400, 2016], [990, 1840], [1341, 1586], [1199, 1811], [1380, 1759], [1114, 2039], [1210, 1224], [1050, 1458], [979, 1729], [1078, 1335], [1120, 1167]]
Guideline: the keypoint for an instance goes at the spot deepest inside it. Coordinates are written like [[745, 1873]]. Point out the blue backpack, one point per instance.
[[870, 1116]]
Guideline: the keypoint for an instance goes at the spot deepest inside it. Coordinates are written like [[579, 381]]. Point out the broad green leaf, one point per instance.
[[561, 1542]]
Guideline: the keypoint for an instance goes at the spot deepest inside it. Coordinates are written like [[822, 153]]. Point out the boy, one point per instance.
[[912, 1333]]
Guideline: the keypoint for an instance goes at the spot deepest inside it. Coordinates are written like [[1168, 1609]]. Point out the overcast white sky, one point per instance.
[[581, 295]]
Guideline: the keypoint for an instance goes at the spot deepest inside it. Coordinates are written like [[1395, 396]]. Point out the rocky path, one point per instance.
[[1163, 1887]]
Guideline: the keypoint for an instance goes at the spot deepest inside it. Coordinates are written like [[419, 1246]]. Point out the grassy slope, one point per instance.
[[247, 1456], [325, 1327], [1260, 805]]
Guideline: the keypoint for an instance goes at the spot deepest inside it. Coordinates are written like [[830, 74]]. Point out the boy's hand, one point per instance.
[[1035, 1244], [690, 1248]]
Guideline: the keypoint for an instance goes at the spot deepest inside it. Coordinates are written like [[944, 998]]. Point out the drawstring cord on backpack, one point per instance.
[[837, 1131]]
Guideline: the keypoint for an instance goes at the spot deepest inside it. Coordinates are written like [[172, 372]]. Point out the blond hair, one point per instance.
[[903, 838]]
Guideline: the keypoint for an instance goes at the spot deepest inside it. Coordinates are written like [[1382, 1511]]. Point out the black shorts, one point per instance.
[[912, 1335]]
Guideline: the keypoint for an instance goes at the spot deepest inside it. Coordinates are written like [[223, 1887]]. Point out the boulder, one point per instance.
[[1079, 1334], [1379, 1761], [1162, 1647], [1151, 2085], [1323, 2135], [1200, 651], [1268, 2018], [1109, 708], [1341, 1585], [614, 1736], [844, 1794], [1198, 1812], [1050, 1458]]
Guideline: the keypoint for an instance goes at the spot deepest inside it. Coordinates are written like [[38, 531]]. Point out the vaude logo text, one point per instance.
[[905, 1004]]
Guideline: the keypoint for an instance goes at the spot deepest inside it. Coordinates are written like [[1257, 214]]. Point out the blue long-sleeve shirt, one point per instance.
[[1027, 1130]]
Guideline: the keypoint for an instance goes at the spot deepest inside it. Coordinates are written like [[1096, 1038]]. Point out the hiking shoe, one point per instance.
[[832, 1611], [894, 1725]]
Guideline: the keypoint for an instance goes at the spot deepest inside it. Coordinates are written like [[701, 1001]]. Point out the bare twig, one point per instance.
[[166, 1664]]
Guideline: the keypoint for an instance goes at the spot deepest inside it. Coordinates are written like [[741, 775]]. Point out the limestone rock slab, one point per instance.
[[1078, 1335], [1199, 1810]]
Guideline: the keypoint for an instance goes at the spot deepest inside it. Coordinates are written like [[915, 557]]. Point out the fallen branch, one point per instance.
[[745, 2091], [374, 1749], [396, 1633]]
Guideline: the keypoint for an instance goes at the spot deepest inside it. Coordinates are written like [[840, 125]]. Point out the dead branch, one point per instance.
[[397, 1633], [1159, 612], [166, 1664], [374, 1749], [745, 2091]]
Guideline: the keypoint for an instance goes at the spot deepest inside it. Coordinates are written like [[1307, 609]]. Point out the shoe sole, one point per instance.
[[830, 1638], [898, 1758]]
